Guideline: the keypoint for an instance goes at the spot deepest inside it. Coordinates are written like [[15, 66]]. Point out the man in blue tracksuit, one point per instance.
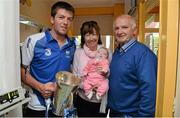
[[133, 73], [43, 55]]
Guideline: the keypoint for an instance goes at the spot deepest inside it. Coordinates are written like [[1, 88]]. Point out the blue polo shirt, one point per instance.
[[132, 80], [45, 58]]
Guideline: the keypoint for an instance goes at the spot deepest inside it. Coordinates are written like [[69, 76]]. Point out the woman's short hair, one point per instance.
[[89, 27]]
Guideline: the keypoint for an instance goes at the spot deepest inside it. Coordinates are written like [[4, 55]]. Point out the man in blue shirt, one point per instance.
[[44, 54], [133, 73]]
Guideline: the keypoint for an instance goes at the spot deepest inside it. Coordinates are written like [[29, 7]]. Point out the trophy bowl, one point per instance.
[[67, 83]]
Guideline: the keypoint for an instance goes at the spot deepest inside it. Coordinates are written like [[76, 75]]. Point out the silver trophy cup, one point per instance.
[[66, 84]]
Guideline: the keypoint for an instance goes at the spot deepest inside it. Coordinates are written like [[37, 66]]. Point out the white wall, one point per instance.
[[9, 45], [9, 49], [39, 11], [26, 30], [105, 23], [127, 5]]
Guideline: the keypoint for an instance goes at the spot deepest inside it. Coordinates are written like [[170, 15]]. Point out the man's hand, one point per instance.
[[47, 89]]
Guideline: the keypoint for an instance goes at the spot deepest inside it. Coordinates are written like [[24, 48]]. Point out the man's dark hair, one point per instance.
[[61, 5]]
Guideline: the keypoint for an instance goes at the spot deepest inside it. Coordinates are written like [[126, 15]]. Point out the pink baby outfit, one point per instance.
[[81, 58], [92, 78]]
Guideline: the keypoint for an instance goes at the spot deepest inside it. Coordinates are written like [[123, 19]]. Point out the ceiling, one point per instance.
[[92, 3]]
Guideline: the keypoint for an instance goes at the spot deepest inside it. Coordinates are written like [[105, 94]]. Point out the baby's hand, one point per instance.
[[101, 71]]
